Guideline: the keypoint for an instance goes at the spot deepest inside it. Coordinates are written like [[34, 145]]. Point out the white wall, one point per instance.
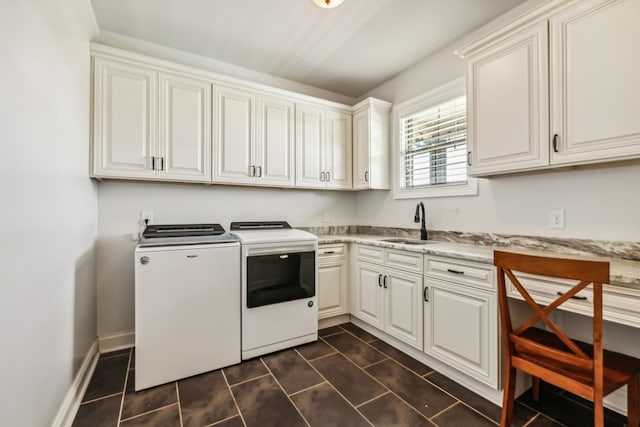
[[600, 202], [48, 220], [119, 209]]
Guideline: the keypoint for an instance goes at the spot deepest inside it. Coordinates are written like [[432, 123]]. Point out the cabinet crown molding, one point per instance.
[[99, 50], [528, 18]]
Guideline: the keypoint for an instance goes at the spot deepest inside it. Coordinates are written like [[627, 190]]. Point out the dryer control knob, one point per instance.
[[144, 260], [310, 303]]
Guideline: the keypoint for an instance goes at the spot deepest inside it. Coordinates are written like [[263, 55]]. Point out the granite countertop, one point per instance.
[[623, 272]]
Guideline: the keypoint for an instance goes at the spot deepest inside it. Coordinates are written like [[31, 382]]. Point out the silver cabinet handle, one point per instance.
[[259, 169], [366, 176], [469, 158], [321, 176], [252, 171], [328, 177]]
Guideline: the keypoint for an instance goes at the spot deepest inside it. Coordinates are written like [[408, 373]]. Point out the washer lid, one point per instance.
[[269, 232], [154, 231]]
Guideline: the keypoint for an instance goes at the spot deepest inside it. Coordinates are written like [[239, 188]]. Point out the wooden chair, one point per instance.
[[580, 368]]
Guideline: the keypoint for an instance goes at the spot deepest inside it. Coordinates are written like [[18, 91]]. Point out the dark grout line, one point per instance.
[[250, 379], [148, 412], [117, 353], [100, 398], [124, 389], [226, 381]]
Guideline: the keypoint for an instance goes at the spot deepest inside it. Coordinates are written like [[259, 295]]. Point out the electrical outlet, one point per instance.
[[556, 218], [148, 215]]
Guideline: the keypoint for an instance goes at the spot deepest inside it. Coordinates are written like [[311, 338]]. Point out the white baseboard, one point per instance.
[[486, 391], [117, 341], [333, 321], [71, 402]]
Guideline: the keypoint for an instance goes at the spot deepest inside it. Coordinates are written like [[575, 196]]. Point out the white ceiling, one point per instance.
[[349, 50]]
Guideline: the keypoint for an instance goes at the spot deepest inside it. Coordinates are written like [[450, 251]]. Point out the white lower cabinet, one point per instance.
[[388, 298], [461, 320], [332, 281]]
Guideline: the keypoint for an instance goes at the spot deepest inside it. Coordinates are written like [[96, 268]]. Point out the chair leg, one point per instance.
[[633, 402], [598, 413], [535, 388], [508, 396]]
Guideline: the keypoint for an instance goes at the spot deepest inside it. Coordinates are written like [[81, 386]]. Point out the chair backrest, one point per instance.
[[585, 272]]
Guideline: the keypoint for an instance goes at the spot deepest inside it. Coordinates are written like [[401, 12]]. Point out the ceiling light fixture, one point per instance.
[[328, 4]]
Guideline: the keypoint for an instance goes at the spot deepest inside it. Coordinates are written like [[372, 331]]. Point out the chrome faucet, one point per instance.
[[416, 219]]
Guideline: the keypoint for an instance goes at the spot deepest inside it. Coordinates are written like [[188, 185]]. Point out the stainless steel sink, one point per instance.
[[407, 241]]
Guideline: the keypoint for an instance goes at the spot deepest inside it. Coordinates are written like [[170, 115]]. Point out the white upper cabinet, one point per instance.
[[150, 125], [595, 90], [254, 139], [323, 146], [275, 149], [585, 109], [371, 145], [124, 120], [185, 129], [234, 136], [156, 120], [338, 147], [507, 103], [309, 141]]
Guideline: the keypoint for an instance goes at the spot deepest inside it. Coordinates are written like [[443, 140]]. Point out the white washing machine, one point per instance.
[[187, 302]]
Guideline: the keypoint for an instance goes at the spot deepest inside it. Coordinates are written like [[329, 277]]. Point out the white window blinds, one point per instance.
[[433, 146]]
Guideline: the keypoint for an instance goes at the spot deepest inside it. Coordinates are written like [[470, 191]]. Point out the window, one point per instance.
[[431, 148]]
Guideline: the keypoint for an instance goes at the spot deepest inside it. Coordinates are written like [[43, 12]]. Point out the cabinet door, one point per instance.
[[185, 129], [403, 306], [234, 136], [274, 146], [595, 95], [461, 329], [508, 105], [309, 140], [332, 287], [361, 150], [125, 120], [338, 147], [367, 302]]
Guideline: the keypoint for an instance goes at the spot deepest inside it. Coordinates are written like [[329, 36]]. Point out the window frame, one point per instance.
[[439, 95]]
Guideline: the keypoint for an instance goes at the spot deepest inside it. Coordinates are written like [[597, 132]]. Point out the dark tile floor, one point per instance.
[[347, 378]]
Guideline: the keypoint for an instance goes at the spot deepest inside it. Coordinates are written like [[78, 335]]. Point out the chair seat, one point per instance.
[[618, 368]]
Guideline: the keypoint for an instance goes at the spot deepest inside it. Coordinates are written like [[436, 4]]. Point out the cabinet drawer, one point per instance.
[[619, 304], [464, 272], [370, 253], [330, 250], [404, 260]]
